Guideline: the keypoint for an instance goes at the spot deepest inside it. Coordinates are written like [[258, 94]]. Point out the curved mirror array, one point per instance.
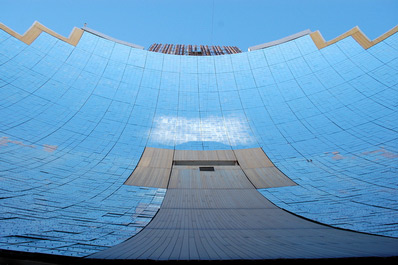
[[74, 122]]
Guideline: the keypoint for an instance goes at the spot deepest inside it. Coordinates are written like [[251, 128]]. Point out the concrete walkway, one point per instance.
[[229, 219]]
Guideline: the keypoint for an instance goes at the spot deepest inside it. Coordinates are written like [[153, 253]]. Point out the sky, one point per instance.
[[241, 23]]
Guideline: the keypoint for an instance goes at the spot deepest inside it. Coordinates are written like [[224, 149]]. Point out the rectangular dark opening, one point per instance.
[[206, 168]]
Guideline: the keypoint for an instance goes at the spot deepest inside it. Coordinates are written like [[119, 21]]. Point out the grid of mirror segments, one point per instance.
[[74, 122]]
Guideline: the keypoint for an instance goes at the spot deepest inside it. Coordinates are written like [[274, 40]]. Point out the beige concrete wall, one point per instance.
[[36, 29], [157, 165], [356, 33]]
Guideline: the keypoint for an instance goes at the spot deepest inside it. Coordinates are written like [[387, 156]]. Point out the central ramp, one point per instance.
[[212, 211]]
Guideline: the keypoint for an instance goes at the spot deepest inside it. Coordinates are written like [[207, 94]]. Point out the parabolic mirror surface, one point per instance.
[[75, 121]]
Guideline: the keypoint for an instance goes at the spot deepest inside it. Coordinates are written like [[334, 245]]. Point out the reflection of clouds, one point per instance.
[[178, 130]]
